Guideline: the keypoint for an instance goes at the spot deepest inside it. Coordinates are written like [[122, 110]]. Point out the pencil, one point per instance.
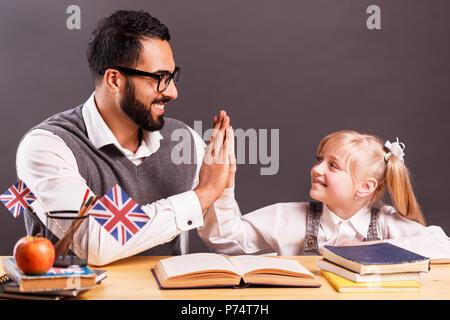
[[85, 197], [92, 204], [83, 209], [76, 224]]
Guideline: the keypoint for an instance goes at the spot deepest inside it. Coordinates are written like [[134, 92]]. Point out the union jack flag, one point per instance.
[[119, 214], [17, 198]]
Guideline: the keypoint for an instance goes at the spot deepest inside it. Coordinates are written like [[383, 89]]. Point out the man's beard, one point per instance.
[[138, 112]]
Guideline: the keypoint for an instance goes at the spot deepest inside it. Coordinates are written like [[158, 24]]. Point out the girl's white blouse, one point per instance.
[[281, 228]]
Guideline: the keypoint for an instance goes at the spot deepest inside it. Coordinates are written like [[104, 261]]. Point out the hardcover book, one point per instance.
[[9, 289], [376, 258], [344, 285], [54, 279], [200, 270], [374, 277]]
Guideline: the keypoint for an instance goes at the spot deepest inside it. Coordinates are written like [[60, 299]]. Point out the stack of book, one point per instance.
[[56, 284], [381, 267]]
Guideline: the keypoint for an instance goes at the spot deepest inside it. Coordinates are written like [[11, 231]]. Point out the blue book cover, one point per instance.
[[11, 268], [379, 253]]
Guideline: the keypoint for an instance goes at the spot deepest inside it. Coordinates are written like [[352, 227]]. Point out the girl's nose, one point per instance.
[[318, 168]]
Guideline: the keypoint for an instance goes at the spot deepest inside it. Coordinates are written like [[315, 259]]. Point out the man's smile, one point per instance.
[[158, 108]]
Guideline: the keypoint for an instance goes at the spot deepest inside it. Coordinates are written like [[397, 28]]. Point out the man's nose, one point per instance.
[[171, 91]]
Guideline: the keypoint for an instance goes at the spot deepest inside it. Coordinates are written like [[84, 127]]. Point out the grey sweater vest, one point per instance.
[[157, 177]]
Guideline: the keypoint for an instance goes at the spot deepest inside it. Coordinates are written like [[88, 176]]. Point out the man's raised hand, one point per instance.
[[218, 163]]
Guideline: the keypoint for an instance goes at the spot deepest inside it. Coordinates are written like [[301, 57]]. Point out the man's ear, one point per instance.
[[114, 81], [366, 188]]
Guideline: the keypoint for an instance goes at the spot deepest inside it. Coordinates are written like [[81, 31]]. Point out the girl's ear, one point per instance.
[[366, 188]]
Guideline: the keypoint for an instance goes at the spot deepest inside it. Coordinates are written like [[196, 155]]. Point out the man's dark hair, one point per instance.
[[117, 39]]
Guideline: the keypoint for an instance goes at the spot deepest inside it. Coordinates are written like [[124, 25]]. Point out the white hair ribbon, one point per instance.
[[396, 149]]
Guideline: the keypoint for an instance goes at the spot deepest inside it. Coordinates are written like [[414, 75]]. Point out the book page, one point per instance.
[[247, 264], [195, 263]]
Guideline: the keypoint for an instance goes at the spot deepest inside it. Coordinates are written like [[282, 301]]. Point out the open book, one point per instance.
[[199, 270]]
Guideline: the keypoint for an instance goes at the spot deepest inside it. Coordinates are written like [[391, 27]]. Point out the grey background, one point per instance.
[[305, 67]]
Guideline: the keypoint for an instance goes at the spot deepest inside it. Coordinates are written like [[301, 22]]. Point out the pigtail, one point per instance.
[[401, 192]]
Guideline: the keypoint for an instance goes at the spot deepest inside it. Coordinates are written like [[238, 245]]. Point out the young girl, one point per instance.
[[352, 172]]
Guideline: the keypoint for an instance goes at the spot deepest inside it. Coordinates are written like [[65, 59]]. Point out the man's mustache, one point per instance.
[[163, 100]]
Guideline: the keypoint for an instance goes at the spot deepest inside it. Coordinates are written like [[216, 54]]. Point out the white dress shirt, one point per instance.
[[281, 228], [49, 168]]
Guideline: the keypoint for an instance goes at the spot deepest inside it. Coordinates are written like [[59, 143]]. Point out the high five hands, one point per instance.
[[219, 163]]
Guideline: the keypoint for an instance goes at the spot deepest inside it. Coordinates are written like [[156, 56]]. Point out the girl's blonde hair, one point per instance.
[[366, 158]]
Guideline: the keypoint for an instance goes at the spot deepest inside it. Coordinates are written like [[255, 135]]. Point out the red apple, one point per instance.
[[34, 255]]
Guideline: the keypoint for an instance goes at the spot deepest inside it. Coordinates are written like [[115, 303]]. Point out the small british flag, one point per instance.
[[119, 214], [17, 198]]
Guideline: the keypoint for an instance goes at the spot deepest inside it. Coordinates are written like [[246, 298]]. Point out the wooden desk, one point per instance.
[[131, 279]]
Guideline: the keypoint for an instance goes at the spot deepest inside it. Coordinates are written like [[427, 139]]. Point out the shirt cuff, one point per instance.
[[188, 211], [226, 200]]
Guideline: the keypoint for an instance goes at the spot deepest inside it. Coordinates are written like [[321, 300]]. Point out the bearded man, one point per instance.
[[119, 136]]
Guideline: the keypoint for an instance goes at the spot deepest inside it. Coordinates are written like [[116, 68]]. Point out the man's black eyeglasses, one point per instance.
[[163, 78]]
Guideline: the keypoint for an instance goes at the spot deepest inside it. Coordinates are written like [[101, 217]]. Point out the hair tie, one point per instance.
[[396, 149]]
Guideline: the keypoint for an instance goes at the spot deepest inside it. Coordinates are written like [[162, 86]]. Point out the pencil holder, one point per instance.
[[69, 233]]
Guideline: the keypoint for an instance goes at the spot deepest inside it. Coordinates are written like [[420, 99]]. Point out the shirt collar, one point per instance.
[[100, 135], [359, 221]]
